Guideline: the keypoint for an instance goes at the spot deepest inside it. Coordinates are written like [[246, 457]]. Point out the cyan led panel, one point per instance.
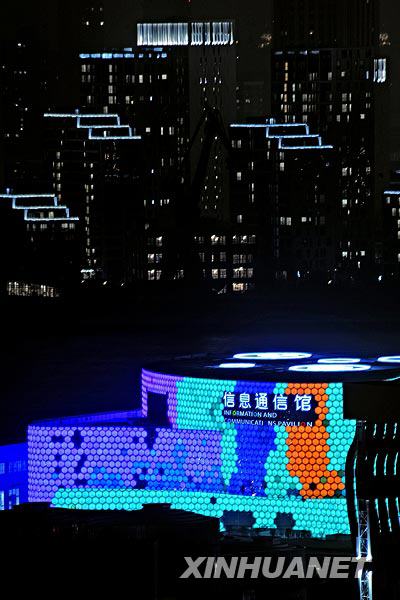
[[289, 458]]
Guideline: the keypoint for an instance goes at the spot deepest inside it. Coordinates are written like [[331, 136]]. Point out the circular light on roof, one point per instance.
[[389, 359], [236, 365], [273, 356], [318, 368], [339, 361]]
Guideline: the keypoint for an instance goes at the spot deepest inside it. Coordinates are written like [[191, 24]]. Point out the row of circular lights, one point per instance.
[[325, 365]]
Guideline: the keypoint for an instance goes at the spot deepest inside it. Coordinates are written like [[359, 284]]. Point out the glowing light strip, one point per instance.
[[53, 219], [283, 138], [108, 56], [322, 147], [285, 125], [32, 208], [60, 115], [248, 125], [16, 196], [43, 208], [339, 361], [288, 125], [318, 368], [122, 128], [115, 137], [273, 355], [163, 34], [236, 366], [298, 136], [389, 359], [98, 116], [80, 116], [90, 126], [37, 207], [217, 33]]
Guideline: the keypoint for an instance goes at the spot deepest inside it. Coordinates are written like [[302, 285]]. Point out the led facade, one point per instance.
[[199, 460], [209, 441]]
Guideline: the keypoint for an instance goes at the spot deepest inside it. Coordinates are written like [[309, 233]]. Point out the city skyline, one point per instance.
[[200, 288], [331, 70]]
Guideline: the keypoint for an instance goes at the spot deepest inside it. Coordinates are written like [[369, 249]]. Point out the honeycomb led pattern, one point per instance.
[[199, 460]]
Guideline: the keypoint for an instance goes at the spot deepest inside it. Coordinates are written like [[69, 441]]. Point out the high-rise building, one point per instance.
[[149, 89], [389, 46], [282, 187], [39, 238], [165, 87], [25, 92], [251, 25], [391, 229], [95, 167], [329, 24], [328, 71]]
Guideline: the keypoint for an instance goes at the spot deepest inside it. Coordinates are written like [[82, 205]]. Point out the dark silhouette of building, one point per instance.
[[25, 92], [330, 72], [391, 228], [335, 23], [282, 184], [164, 93], [95, 168], [39, 246]]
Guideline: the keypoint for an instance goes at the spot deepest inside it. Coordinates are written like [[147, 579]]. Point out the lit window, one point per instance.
[[218, 239], [239, 287], [13, 497]]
